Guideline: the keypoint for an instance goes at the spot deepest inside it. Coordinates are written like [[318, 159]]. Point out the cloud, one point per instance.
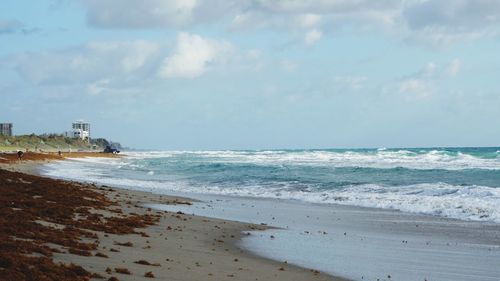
[[424, 83], [454, 67], [139, 14], [327, 6], [15, 26], [308, 20], [420, 85], [87, 63], [312, 36], [126, 67], [416, 89], [98, 87], [193, 55], [435, 23], [459, 16], [242, 15], [10, 26], [446, 22]]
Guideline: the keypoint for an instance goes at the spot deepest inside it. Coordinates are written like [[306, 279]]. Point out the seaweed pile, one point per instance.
[[31, 156], [41, 216], [12, 158]]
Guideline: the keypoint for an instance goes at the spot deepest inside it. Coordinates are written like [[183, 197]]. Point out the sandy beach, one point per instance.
[[355, 242], [53, 228]]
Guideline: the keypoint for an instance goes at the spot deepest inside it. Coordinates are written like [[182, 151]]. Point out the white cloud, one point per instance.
[[87, 63], [416, 89], [308, 20], [193, 55], [115, 66], [312, 36], [97, 87], [423, 84], [427, 71], [419, 85], [454, 67], [138, 56]]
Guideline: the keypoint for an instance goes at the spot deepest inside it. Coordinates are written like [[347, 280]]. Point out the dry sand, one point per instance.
[[178, 247]]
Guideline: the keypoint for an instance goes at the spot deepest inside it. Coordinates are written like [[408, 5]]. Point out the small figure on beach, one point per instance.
[[59, 153], [20, 155]]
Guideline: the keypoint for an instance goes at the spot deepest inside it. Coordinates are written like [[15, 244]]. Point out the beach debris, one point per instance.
[[125, 244], [281, 269], [315, 272], [114, 250], [99, 254], [122, 270], [79, 252], [96, 276], [144, 262], [108, 270], [180, 202], [149, 274], [112, 278]]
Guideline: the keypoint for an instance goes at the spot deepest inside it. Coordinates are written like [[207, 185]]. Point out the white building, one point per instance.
[[80, 130]]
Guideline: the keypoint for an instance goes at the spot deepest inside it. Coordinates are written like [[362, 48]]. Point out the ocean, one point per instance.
[[412, 214], [461, 183]]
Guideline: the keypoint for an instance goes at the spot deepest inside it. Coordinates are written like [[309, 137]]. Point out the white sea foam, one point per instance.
[[377, 159], [470, 202]]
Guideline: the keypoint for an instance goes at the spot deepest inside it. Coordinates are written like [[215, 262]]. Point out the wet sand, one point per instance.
[[361, 243], [109, 234]]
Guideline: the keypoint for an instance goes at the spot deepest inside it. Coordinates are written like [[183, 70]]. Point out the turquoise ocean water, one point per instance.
[[462, 183]]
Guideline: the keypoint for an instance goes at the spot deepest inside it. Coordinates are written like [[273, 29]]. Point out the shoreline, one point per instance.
[[186, 247], [358, 243]]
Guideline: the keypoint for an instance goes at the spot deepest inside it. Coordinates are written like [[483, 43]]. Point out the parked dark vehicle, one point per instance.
[[110, 149]]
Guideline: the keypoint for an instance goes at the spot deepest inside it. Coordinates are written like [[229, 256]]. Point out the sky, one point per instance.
[[254, 74]]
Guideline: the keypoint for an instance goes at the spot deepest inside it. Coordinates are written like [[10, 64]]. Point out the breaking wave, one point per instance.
[[461, 184]]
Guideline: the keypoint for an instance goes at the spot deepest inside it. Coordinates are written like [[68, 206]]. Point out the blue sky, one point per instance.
[[200, 74]]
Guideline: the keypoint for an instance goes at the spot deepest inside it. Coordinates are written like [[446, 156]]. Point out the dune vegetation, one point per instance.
[[51, 142]]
